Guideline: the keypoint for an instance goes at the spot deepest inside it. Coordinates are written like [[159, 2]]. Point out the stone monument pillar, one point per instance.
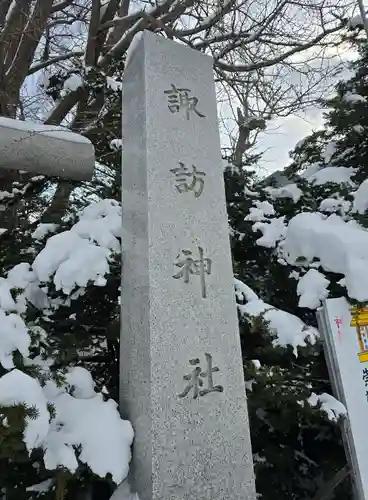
[[182, 383]]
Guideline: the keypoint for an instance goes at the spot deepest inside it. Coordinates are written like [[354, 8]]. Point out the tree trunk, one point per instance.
[[59, 203]]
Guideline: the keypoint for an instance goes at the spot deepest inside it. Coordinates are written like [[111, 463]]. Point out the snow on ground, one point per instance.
[[289, 329]]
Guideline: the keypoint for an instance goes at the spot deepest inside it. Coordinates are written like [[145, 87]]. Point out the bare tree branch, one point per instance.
[[122, 45], [4, 8], [12, 32], [326, 492], [90, 58], [20, 59], [53, 60], [264, 64], [208, 23], [63, 107], [61, 5], [253, 43]]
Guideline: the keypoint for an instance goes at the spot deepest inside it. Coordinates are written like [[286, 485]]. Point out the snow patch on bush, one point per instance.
[[86, 428], [338, 175], [43, 230], [260, 211], [17, 388], [313, 235], [331, 205], [289, 191], [273, 231], [312, 289], [13, 337], [360, 204], [330, 405], [83, 421], [289, 329], [82, 254]]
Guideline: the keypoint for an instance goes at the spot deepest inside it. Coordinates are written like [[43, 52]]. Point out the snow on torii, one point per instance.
[[45, 149]]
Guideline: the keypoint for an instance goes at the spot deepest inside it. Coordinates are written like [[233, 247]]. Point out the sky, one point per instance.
[[282, 134]]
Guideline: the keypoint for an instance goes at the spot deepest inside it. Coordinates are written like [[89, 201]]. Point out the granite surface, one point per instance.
[[45, 149], [182, 382]]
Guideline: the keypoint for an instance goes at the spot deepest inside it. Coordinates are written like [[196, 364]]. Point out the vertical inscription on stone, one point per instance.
[[195, 379], [179, 99], [189, 265], [182, 381], [188, 181]]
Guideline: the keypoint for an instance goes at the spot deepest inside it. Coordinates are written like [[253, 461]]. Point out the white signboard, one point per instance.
[[346, 345]]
